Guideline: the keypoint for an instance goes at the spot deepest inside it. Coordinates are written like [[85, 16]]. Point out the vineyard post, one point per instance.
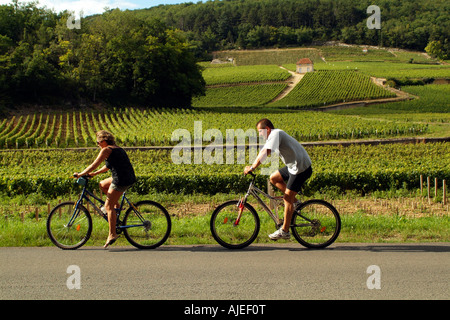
[[435, 188], [428, 190], [421, 184], [271, 193], [444, 193]]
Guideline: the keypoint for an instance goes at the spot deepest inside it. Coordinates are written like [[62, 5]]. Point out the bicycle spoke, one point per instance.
[[68, 229], [316, 225], [147, 225], [233, 228]]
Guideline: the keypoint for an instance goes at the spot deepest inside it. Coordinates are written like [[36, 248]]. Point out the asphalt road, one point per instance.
[[259, 272]]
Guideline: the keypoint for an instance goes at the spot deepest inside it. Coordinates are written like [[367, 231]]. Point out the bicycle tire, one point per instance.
[[227, 233], [324, 227], [153, 231], [69, 237]]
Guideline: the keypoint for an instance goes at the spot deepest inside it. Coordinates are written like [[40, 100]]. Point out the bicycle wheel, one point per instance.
[[230, 234], [147, 225], [316, 224], [69, 228]]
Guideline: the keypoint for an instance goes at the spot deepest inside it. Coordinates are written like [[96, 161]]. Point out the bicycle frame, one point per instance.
[[255, 192], [86, 194]]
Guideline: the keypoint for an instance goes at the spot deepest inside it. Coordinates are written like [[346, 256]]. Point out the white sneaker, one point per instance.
[[280, 234]]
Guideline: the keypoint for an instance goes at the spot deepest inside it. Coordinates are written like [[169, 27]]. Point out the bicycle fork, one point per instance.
[[240, 205]]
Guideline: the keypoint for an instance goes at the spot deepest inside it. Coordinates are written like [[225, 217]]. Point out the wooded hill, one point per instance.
[[148, 57], [249, 24]]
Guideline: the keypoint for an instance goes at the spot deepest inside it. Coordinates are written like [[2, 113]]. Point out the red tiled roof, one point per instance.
[[304, 61]]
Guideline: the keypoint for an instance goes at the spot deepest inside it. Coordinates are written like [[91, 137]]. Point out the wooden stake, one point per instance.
[[271, 193], [435, 187], [444, 193]]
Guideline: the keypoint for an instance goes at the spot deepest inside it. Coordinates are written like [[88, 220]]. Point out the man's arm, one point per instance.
[[263, 154]]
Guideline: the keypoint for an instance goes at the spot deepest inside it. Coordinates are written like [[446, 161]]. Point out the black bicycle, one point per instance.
[[146, 224], [235, 224]]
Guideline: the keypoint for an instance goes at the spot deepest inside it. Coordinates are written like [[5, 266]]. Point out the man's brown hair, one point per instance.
[[264, 123]]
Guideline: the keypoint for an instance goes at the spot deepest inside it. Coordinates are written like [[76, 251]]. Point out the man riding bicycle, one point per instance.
[[289, 179]]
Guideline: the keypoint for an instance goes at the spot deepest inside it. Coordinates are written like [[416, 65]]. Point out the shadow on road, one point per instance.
[[397, 247]]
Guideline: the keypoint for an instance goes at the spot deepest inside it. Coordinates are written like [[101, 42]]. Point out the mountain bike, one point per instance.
[[146, 224], [235, 224]]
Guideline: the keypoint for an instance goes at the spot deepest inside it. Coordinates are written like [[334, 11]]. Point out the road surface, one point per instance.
[[259, 272]]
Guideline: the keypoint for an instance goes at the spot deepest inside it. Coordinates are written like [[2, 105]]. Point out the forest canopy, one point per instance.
[[115, 57], [249, 24]]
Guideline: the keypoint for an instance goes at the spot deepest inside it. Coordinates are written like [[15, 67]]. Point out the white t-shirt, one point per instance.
[[292, 153]]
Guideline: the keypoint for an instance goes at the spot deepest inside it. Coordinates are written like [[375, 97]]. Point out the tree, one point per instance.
[[436, 50]]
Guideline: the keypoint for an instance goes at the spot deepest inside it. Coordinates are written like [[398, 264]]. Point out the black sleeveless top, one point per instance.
[[121, 169]]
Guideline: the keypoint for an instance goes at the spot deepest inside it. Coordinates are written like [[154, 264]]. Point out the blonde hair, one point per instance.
[[104, 135]]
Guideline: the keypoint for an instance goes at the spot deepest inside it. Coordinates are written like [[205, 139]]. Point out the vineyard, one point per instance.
[[134, 127], [242, 96], [432, 106], [387, 70], [361, 168], [315, 89], [327, 87], [245, 74]]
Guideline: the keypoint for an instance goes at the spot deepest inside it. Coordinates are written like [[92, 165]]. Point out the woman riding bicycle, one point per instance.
[[123, 177]]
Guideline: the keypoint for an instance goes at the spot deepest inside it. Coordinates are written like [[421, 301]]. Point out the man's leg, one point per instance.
[[277, 180], [289, 199]]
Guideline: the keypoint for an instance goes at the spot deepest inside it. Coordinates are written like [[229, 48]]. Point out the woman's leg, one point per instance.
[[104, 185], [111, 200]]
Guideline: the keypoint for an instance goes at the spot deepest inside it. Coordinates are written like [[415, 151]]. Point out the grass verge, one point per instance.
[[194, 229]]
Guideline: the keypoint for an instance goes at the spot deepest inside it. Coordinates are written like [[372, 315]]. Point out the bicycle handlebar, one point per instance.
[[87, 176]]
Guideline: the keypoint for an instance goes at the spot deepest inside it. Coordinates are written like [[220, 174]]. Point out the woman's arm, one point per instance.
[[102, 156], [102, 170]]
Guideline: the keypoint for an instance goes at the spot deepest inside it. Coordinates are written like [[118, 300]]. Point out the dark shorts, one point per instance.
[[295, 182]]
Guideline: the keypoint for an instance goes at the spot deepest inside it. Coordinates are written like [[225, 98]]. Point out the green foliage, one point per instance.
[[244, 74], [397, 70], [114, 57], [437, 49], [326, 87], [431, 106], [242, 96], [359, 167], [136, 127], [245, 24]]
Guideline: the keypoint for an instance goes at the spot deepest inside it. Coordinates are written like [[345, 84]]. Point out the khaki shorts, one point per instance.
[[119, 188]]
